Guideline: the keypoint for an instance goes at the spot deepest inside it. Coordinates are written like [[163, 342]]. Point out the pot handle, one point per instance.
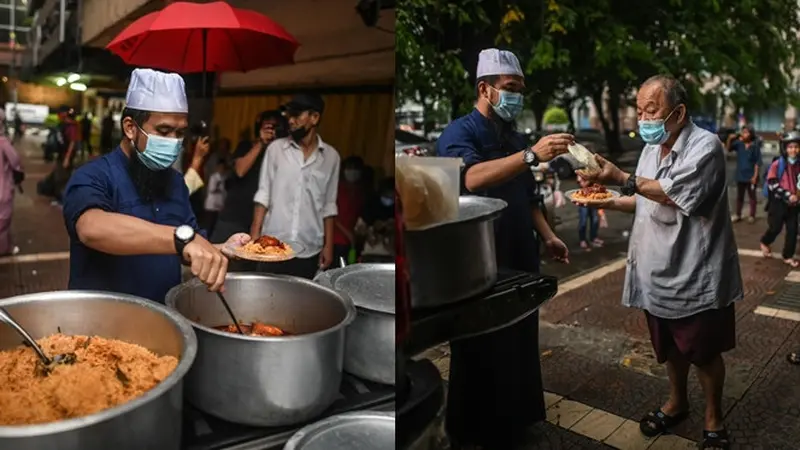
[[352, 312]]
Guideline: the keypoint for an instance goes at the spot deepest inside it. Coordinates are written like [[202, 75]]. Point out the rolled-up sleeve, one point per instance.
[[332, 190], [697, 177], [264, 192], [88, 188]]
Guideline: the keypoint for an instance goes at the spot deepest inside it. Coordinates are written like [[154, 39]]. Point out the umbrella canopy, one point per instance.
[[198, 37]]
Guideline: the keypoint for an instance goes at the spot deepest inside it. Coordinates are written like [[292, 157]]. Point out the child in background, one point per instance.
[[588, 221], [215, 197]]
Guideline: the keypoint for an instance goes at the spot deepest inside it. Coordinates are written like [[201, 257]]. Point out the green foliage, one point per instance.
[[555, 116]]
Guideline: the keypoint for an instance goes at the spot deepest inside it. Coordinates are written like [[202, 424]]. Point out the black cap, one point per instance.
[[792, 136], [304, 102]]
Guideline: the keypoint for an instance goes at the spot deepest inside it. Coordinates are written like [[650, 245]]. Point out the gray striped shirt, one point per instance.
[[683, 259]]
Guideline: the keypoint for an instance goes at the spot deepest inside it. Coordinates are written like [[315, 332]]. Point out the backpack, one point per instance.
[[781, 169]]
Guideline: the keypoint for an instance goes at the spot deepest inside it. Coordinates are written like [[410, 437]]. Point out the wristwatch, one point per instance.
[[183, 235], [630, 186], [530, 158]]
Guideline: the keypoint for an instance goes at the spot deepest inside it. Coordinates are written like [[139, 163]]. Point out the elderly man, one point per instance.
[[683, 265], [128, 213], [495, 388]]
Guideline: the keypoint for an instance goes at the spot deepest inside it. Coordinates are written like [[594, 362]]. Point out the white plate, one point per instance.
[[241, 254], [570, 193]]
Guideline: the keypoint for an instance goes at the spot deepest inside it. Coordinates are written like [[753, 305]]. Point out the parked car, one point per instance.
[[406, 142]]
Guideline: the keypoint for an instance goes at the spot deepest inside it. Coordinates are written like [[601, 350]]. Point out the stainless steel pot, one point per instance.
[[367, 430], [370, 339], [454, 261], [152, 421], [265, 381]]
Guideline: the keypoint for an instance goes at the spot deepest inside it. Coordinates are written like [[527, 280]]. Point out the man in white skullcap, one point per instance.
[[495, 389], [128, 213]]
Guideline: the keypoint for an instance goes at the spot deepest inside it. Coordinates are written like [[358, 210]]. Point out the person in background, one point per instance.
[[195, 150], [107, 134], [298, 184], [220, 151], [782, 186], [748, 160], [69, 136], [495, 392], [237, 214], [86, 134], [215, 195], [588, 223], [128, 214], [376, 224], [18, 128], [350, 203], [10, 178]]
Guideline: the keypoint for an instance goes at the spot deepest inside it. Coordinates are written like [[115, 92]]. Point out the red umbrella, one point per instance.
[[198, 37]]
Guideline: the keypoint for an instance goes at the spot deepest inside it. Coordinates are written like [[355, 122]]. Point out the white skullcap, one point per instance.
[[498, 62], [154, 91]]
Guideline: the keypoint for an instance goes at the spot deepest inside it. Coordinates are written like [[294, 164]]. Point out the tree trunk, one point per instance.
[[538, 114], [597, 99], [613, 138]]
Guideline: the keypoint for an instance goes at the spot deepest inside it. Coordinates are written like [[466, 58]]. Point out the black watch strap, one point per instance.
[[630, 186]]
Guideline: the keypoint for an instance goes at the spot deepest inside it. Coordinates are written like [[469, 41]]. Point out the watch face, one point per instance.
[[184, 232], [529, 157]]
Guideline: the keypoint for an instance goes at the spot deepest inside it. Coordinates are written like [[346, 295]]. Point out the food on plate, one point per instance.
[[267, 246], [254, 329], [104, 373], [592, 192]]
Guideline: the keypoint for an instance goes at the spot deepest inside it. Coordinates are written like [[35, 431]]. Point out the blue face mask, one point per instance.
[[792, 160], [387, 201], [654, 132], [160, 152], [509, 105]]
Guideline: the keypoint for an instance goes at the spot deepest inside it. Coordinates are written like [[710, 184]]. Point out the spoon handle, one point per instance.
[[4, 317], [230, 312]]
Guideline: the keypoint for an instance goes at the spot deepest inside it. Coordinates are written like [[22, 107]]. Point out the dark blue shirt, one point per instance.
[[475, 139], [746, 159], [104, 184]]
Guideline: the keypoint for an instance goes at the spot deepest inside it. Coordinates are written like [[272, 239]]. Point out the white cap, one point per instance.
[[498, 62], [154, 91]]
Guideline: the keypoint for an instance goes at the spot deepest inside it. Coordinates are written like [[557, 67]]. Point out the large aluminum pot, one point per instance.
[[370, 339], [364, 430], [454, 261], [265, 381], [152, 421]]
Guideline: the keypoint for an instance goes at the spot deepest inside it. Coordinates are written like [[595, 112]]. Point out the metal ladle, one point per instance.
[[48, 363], [230, 311]]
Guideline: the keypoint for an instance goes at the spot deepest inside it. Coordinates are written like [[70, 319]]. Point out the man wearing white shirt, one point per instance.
[[297, 186]]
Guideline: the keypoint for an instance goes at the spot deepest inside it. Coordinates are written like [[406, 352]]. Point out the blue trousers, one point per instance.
[[587, 218]]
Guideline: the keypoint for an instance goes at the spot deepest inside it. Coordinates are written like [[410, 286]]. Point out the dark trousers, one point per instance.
[[741, 190], [587, 221], [778, 214], [340, 251], [298, 267], [495, 391]]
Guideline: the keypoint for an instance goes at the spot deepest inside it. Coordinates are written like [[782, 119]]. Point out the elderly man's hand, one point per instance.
[[608, 174], [552, 145]]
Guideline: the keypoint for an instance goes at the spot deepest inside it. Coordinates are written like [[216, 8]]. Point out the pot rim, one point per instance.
[[185, 362], [310, 431], [346, 301], [496, 206]]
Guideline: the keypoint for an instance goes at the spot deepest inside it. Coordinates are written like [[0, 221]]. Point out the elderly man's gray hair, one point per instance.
[[674, 91]]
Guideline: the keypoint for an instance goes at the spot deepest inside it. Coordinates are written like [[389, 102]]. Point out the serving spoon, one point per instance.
[[230, 311], [67, 358]]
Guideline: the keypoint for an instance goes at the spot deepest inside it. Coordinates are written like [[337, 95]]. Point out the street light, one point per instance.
[[73, 77], [77, 87], [61, 81]]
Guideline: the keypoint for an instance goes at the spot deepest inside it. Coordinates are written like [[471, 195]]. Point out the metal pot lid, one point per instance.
[[365, 430], [370, 286], [472, 208]]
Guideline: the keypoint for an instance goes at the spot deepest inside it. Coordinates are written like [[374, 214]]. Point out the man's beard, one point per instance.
[[150, 184], [502, 127]]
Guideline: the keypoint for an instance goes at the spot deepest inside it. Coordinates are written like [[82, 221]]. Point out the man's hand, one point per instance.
[[608, 174], [201, 148], [326, 256], [65, 164], [792, 199], [754, 180], [557, 249], [266, 134], [236, 240], [552, 145], [207, 261]]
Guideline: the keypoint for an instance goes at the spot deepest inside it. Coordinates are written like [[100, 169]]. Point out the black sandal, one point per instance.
[[793, 358], [717, 440], [656, 422]]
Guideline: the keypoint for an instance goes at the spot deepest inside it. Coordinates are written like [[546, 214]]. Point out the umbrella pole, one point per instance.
[[205, 43]]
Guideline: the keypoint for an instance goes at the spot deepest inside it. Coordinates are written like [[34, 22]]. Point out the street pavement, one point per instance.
[[594, 351]]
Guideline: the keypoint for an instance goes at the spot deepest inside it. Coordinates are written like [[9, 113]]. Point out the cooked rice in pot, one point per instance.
[[106, 373]]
